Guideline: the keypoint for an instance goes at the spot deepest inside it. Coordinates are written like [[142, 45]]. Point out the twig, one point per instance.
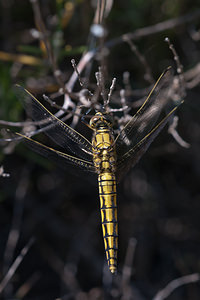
[[16, 124], [124, 109], [70, 84], [195, 34], [76, 117], [2, 173], [174, 284], [172, 130], [43, 32], [159, 27], [192, 76], [179, 68], [101, 84], [99, 15], [84, 93], [34, 132], [27, 286], [44, 37], [16, 220], [53, 104], [15, 265], [127, 269], [148, 74], [77, 72], [126, 82], [111, 90], [103, 9], [66, 274], [42, 122], [85, 97], [123, 100], [29, 124], [97, 31]]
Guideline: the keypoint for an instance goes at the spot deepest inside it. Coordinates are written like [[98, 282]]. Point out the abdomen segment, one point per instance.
[[108, 206]]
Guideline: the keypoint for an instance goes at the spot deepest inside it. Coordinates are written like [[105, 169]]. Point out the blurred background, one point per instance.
[[158, 200]]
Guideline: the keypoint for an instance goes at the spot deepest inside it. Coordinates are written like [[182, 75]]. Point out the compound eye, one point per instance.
[[93, 121]]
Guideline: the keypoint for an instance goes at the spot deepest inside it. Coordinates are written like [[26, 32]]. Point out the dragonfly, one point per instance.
[[106, 155]]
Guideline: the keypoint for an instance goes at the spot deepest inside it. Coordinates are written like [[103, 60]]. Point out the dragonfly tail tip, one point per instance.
[[113, 269]]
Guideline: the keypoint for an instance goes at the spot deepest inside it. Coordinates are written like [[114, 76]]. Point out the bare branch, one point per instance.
[[43, 32], [16, 124], [101, 84], [14, 232], [148, 74], [33, 132], [70, 84], [126, 81], [159, 27], [123, 101], [15, 265], [174, 284], [27, 286], [77, 72], [119, 109], [179, 68], [44, 37], [192, 76], [195, 34], [173, 131], [66, 272], [127, 269], [111, 90]]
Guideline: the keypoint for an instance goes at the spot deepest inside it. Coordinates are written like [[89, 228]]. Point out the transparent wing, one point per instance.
[[145, 118], [132, 156], [58, 131], [60, 158]]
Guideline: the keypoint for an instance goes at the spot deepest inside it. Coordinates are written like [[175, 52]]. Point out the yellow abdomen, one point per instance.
[[108, 206]]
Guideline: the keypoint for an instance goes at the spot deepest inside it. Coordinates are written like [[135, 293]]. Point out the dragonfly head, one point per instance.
[[101, 120]]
